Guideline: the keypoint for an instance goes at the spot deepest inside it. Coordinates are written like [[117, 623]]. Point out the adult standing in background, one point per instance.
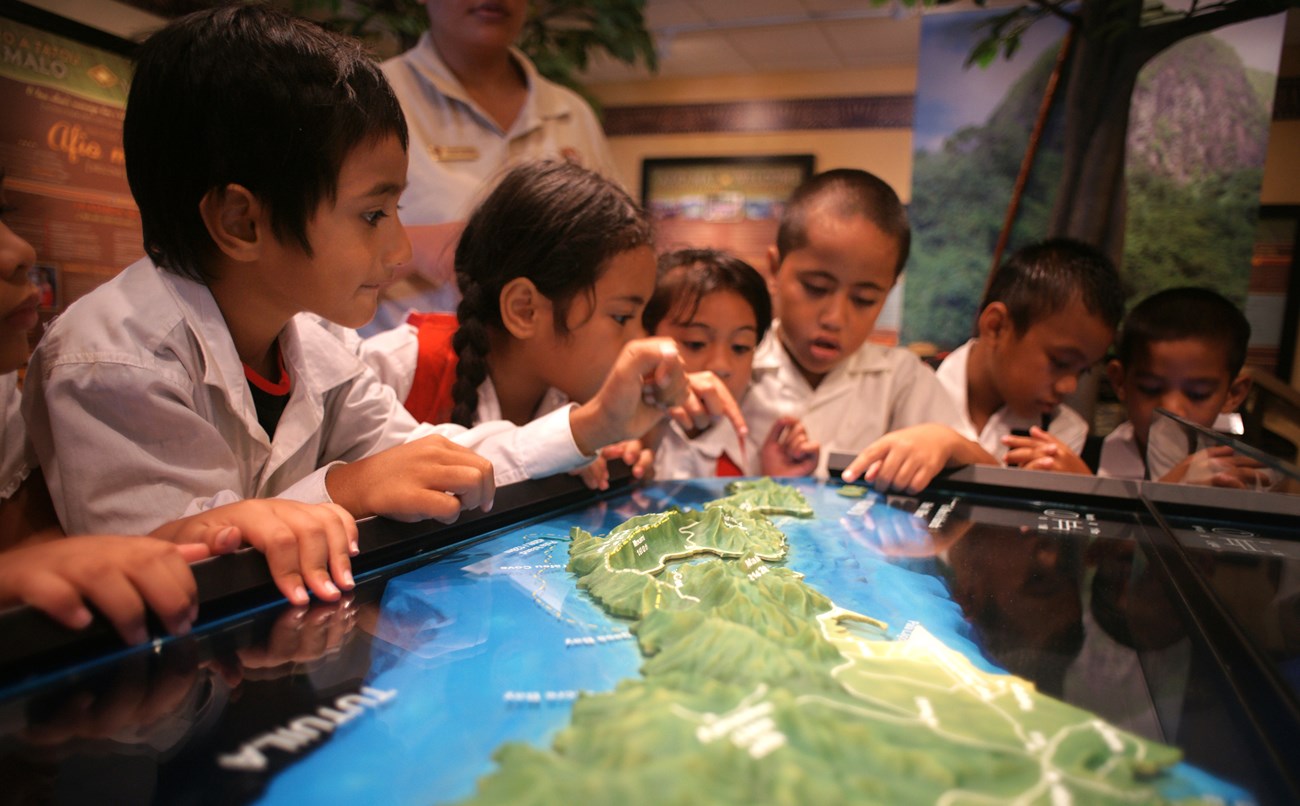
[[475, 105]]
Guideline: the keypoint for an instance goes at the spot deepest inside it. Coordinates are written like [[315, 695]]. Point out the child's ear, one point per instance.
[[233, 217], [522, 308], [993, 320], [773, 262], [1237, 391], [1115, 374]]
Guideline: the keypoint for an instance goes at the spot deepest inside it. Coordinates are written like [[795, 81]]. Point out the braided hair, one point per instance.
[[553, 222]]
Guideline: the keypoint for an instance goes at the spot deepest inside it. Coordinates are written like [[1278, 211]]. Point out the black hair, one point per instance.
[[688, 275], [850, 192], [1176, 314], [551, 221], [246, 95], [1040, 279]]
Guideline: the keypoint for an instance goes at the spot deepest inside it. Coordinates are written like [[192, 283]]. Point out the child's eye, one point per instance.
[[815, 290], [1149, 390], [864, 302], [693, 346], [621, 318], [374, 216], [741, 349]]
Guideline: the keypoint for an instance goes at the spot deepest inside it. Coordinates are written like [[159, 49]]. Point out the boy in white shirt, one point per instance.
[[266, 157], [1049, 314], [842, 242], [1182, 350]]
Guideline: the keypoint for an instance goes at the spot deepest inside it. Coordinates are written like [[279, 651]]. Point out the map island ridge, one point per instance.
[[756, 688]]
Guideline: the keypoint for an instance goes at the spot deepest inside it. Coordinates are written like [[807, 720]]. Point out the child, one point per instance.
[[266, 157], [1049, 315], [717, 308], [122, 575], [1183, 350], [841, 245], [555, 266]]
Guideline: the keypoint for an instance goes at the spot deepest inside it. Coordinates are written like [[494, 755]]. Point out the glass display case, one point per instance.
[[1005, 634]]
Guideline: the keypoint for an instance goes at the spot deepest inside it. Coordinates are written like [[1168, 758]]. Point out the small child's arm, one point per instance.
[[906, 460], [431, 477], [120, 576], [1043, 451], [788, 450], [307, 546]]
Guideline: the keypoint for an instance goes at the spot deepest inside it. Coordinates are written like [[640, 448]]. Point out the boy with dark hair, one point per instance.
[[1049, 315], [266, 156], [841, 245], [1183, 350]]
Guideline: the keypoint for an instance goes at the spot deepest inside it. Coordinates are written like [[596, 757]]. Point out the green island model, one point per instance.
[[757, 689]]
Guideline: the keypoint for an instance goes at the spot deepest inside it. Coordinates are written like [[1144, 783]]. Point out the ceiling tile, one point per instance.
[[731, 10], [875, 43], [787, 47]]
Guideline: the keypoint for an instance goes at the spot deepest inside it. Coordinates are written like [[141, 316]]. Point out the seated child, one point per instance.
[[1183, 350], [266, 157], [1049, 315], [842, 242], [124, 575], [717, 308], [554, 266]]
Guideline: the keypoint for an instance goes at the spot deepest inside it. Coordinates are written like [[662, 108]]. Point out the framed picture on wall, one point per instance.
[[731, 203]]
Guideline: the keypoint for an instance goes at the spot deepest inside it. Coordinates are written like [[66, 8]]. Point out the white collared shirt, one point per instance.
[[458, 152], [139, 411], [678, 456], [16, 459], [1120, 456], [875, 390], [1066, 424]]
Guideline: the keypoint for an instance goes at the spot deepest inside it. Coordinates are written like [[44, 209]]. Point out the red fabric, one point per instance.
[[435, 368], [726, 467], [278, 388]]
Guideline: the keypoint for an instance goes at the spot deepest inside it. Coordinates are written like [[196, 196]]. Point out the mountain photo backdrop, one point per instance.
[[1197, 138]]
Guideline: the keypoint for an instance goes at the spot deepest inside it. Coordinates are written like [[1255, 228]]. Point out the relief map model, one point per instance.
[[737, 647]]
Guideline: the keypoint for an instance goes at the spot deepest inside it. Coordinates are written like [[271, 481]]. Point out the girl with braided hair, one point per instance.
[[555, 267]]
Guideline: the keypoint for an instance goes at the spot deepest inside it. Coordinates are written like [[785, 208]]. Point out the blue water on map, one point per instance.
[[466, 641]]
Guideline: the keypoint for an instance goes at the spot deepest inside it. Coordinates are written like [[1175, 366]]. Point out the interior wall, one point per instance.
[[886, 152]]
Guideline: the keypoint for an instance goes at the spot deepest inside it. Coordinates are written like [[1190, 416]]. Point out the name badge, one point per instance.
[[453, 153]]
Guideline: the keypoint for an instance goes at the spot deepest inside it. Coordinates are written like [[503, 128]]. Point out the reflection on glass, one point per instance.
[[1181, 451]]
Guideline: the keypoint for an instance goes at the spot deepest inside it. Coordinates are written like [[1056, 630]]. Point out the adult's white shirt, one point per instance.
[[458, 152]]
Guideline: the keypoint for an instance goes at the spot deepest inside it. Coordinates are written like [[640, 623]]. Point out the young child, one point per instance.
[[266, 157], [1048, 316], [123, 575], [555, 266], [717, 308], [1183, 350], [841, 245]]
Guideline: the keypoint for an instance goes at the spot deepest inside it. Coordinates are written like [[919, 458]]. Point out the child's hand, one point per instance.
[[120, 576], [305, 544], [788, 451], [648, 377], [636, 454], [906, 460], [1220, 466], [708, 398], [594, 474], [1042, 451], [431, 477]]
